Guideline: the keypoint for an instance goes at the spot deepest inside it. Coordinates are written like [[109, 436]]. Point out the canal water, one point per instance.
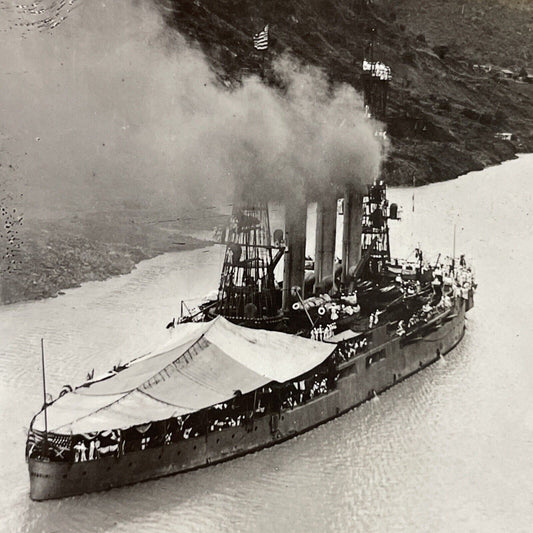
[[449, 449]]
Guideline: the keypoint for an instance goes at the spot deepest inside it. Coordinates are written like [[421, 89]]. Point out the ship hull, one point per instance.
[[361, 378]]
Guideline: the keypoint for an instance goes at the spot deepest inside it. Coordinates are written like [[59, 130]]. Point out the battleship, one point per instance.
[[262, 360]]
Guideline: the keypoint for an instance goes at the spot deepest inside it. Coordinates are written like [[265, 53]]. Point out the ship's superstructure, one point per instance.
[[265, 359]]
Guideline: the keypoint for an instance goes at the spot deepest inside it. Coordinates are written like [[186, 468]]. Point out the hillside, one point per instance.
[[498, 32], [443, 114]]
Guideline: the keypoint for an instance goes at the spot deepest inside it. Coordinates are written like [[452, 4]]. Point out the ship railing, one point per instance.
[[301, 391], [239, 411], [50, 446], [422, 327], [348, 349]]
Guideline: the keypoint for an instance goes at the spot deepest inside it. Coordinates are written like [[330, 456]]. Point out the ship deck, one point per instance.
[[387, 361]]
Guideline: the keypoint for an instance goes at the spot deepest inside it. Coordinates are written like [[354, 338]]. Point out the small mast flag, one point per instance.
[[261, 39]]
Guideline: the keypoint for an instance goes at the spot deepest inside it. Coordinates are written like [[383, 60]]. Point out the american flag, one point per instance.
[[261, 39]]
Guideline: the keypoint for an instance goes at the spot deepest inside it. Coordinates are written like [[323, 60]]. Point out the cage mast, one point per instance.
[[247, 288]]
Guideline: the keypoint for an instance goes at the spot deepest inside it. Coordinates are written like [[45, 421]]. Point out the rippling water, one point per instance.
[[450, 449]]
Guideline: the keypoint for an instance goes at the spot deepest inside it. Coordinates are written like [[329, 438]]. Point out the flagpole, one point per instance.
[[45, 446], [453, 256], [414, 176], [261, 45]]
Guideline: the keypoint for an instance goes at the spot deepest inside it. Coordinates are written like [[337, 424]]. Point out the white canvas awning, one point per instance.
[[202, 365]]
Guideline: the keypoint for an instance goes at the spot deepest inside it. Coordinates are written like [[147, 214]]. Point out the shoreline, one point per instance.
[[406, 185], [54, 258]]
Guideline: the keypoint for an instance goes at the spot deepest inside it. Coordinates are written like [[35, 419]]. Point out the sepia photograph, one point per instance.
[[264, 266]]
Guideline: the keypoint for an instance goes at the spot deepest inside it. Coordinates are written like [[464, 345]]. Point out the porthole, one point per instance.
[[194, 447]]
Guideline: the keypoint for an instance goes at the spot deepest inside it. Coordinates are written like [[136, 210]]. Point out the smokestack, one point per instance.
[[351, 232], [294, 267], [326, 225]]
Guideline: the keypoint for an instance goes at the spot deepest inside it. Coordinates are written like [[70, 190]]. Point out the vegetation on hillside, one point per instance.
[[443, 114], [496, 32]]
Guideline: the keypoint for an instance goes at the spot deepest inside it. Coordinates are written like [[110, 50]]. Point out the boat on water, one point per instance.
[[260, 363], [261, 360]]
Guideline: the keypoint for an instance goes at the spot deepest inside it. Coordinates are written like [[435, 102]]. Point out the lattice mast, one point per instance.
[[247, 287], [375, 231], [375, 244]]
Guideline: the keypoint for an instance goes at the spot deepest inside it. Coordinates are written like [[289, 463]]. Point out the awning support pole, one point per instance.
[[45, 446]]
